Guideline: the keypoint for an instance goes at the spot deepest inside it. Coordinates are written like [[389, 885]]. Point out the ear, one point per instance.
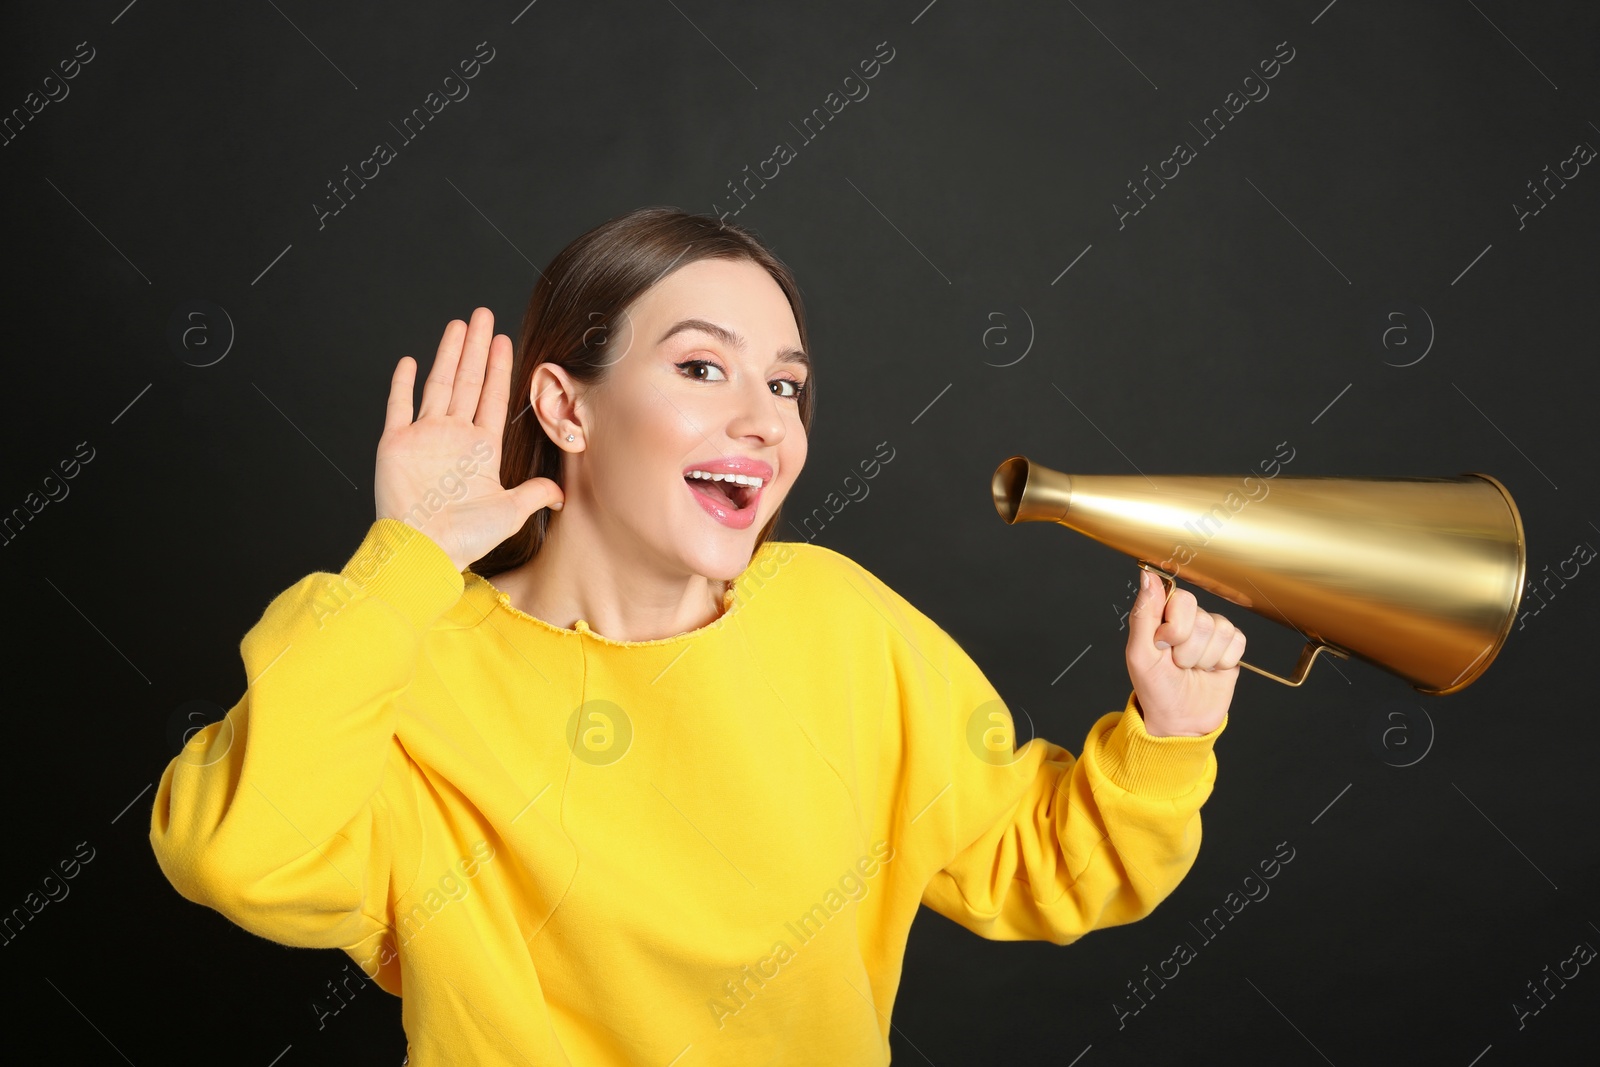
[[556, 399]]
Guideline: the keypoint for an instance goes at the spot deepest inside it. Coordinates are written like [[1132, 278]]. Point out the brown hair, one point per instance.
[[577, 303]]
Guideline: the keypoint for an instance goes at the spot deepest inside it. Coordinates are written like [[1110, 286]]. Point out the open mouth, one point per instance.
[[729, 494]]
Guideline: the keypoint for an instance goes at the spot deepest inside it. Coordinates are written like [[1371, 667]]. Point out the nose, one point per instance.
[[757, 413]]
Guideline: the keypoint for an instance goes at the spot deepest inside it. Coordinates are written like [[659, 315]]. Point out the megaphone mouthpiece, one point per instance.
[[1027, 492]]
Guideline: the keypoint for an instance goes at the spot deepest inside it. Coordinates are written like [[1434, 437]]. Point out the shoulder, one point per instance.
[[824, 579], [807, 563]]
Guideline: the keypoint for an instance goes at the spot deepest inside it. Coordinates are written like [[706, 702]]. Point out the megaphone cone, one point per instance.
[[1418, 576]]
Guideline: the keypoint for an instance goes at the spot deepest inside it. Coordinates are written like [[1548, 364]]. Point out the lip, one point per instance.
[[734, 465], [741, 518]]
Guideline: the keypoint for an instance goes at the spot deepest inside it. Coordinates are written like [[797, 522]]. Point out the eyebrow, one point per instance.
[[729, 337]]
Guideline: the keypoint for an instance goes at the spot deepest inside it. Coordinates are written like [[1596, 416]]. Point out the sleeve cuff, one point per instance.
[[1153, 766], [406, 569]]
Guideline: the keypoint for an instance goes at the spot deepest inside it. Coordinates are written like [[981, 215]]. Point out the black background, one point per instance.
[[932, 225]]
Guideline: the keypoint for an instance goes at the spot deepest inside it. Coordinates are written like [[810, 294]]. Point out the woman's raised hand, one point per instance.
[[441, 473]]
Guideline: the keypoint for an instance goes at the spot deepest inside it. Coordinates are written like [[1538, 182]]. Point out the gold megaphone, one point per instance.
[[1418, 576]]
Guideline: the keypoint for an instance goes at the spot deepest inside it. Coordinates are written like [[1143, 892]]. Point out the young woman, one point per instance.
[[588, 769]]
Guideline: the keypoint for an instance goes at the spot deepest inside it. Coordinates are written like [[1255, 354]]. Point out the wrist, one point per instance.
[[1158, 729], [412, 530]]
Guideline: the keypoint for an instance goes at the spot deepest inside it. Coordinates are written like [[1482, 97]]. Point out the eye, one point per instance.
[[699, 363], [691, 367]]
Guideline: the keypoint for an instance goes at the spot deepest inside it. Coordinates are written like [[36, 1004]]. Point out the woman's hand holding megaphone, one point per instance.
[[1182, 659]]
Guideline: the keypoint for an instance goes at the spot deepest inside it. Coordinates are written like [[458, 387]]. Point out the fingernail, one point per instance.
[[1162, 644], [1144, 580]]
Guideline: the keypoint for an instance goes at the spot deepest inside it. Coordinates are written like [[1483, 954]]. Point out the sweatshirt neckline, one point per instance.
[[730, 604]]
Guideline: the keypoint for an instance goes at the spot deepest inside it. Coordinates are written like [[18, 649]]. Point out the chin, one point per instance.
[[717, 552], [724, 561]]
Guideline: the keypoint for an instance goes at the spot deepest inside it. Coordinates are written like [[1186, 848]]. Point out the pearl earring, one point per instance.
[[569, 437]]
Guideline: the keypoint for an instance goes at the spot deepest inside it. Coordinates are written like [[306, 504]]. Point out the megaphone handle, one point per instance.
[[1308, 654]]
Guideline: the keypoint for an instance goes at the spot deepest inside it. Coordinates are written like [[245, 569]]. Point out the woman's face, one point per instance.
[[703, 375]]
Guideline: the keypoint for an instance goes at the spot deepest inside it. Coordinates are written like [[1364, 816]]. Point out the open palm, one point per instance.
[[441, 472]]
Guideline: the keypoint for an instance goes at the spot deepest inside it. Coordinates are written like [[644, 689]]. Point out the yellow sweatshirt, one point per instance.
[[704, 849]]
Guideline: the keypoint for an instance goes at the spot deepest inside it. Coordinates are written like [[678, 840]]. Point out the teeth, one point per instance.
[[737, 479]]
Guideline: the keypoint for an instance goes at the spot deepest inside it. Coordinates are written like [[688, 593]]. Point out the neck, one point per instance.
[[577, 574]]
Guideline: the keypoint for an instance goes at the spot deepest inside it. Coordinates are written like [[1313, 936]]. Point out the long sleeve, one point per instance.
[[1090, 842], [279, 815], [1032, 844]]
